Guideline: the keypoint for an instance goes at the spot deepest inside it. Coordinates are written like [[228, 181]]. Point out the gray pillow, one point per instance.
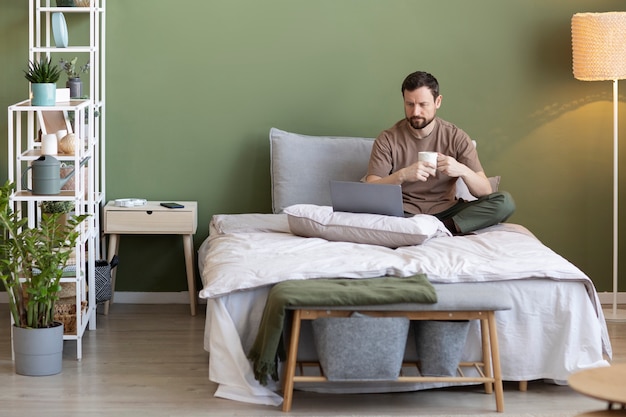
[[302, 166]]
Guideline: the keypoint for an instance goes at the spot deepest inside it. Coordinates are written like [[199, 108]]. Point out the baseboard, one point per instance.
[[130, 297], [606, 298]]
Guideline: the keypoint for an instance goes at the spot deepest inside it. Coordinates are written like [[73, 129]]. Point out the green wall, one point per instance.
[[193, 88]]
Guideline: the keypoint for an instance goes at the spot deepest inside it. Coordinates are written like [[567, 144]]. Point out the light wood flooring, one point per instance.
[[149, 360]]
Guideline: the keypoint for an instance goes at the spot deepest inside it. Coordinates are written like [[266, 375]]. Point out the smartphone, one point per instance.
[[172, 205]]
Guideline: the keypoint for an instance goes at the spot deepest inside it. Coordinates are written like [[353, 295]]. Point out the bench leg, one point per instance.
[[486, 345], [495, 357], [290, 368]]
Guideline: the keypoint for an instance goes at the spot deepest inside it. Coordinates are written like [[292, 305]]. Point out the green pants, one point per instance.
[[473, 215]]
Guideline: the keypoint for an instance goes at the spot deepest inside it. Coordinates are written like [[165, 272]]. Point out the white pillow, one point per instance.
[[310, 220], [463, 192]]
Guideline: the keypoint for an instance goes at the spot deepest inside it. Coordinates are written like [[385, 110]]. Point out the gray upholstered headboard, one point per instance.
[[302, 166]]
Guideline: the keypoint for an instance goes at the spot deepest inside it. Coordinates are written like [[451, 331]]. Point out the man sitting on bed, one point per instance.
[[430, 190]]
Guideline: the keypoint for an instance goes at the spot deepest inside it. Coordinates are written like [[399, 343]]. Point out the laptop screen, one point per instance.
[[360, 197]]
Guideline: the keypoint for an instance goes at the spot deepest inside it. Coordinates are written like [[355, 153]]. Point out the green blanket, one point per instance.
[[268, 347]]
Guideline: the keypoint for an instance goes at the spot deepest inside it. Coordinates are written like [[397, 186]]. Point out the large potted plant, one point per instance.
[[43, 76], [32, 260]]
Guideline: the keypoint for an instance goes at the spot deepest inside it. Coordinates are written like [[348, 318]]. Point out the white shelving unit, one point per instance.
[[86, 115]]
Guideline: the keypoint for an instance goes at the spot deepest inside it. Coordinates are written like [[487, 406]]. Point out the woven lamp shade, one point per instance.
[[599, 46]]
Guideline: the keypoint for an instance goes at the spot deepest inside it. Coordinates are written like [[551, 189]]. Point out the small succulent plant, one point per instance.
[[42, 71]]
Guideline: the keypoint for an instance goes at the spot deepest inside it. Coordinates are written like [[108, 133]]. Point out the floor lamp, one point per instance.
[[599, 54]]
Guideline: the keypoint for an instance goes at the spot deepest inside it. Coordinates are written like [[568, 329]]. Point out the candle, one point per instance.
[[49, 144]]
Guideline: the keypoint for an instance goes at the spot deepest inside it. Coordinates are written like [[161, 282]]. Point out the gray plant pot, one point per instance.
[[38, 352], [439, 346], [76, 87]]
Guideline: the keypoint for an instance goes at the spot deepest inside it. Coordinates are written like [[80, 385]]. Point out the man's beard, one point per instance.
[[419, 122]]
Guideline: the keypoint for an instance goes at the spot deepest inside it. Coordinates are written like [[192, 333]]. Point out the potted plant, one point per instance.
[[32, 260], [73, 72], [72, 3], [62, 208], [43, 77]]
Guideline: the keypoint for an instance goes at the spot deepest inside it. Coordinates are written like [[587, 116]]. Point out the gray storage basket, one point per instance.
[[439, 346], [361, 348]]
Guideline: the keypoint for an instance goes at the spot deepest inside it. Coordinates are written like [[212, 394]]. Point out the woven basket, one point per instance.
[[65, 312], [68, 289]]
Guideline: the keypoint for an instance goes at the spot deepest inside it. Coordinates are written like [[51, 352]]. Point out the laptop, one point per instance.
[[361, 197]]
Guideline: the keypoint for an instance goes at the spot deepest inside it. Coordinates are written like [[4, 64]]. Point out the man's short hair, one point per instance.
[[421, 79]]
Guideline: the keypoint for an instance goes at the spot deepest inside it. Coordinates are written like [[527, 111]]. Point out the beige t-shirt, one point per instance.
[[398, 146]]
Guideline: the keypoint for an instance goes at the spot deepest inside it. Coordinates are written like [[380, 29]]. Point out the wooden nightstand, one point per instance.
[[153, 219]]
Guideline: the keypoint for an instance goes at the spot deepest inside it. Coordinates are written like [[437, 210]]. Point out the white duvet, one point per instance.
[[555, 328], [258, 250]]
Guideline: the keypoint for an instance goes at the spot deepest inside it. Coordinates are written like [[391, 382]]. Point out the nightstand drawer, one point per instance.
[[149, 222], [150, 219]]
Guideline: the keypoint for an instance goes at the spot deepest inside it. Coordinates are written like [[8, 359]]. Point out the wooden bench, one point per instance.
[[455, 302]]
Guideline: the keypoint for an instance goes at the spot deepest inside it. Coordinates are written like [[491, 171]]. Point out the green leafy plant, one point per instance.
[[71, 70], [32, 261], [52, 207], [42, 71]]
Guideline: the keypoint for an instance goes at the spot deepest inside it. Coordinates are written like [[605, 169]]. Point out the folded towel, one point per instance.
[[268, 347]]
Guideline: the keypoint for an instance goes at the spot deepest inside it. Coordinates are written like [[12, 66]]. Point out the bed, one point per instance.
[[556, 326]]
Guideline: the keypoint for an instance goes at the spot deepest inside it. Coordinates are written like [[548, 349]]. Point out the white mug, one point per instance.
[[49, 144], [428, 157]]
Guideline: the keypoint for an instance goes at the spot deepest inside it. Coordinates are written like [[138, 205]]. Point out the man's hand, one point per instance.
[[477, 182], [419, 171], [451, 167]]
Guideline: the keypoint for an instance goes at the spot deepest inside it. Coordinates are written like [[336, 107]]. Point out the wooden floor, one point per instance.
[[149, 360]]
